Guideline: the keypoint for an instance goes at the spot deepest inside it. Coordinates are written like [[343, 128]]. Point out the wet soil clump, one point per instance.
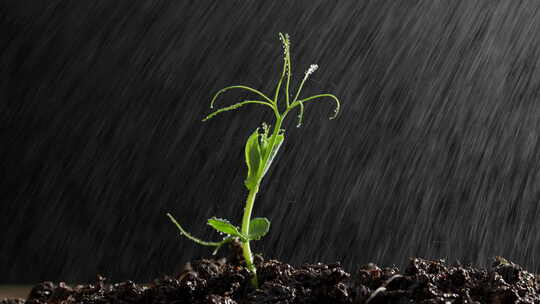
[[226, 281]]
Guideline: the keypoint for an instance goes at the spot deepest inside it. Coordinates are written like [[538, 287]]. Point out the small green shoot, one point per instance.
[[260, 151]]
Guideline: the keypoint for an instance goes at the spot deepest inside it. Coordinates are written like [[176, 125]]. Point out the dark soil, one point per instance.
[[226, 281]]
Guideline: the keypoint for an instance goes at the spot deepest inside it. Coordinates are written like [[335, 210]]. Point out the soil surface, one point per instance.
[[14, 291], [226, 281]]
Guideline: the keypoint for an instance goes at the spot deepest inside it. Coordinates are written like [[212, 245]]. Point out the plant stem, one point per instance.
[[246, 249], [250, 201]]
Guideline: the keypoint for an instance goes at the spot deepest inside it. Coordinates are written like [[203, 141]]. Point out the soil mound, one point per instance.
[[226, 281]]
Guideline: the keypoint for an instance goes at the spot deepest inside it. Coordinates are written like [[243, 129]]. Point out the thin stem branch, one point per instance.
[[299, 89], [239, 87], [238, 105], [191, 237]]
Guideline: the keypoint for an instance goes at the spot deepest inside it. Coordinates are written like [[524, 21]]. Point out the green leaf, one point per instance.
[[279, 141], [258, 227], [225, 226], [253, 160]]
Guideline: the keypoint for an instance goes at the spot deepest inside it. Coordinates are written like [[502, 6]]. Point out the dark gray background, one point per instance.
[[435, 154]]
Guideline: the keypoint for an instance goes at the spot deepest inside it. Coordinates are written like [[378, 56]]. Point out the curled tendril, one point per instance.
[[189, 236], [312, 98], [236, 106], [217, 245], [300, 115], [266, 98]]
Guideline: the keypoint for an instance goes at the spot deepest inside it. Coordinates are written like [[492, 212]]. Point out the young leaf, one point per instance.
[[225, 226], [258, 227], [253, 160], [272, 154]]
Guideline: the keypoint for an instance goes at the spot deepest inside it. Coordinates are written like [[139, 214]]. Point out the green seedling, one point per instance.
[[260, 150]]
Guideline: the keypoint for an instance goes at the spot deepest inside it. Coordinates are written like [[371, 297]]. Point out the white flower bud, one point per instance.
[[312, 68]]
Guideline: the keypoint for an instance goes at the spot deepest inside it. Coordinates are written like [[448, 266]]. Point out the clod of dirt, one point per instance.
[[226, 281]]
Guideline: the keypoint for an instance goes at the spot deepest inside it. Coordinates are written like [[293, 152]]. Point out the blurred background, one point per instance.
[[435, 153]]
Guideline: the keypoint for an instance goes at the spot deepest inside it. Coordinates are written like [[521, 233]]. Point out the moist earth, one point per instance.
[[226, 281]]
